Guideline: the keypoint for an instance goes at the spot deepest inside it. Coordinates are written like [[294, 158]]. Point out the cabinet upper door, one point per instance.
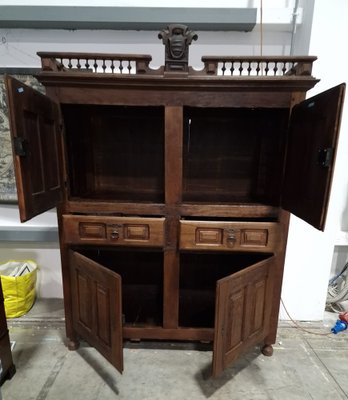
[[97, 307], [312, 143], [242, 312], [37, 147]]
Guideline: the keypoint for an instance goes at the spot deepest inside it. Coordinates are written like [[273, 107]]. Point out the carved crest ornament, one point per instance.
[[177, 38]]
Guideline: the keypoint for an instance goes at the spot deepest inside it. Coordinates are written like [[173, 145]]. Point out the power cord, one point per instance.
[[299, 326]]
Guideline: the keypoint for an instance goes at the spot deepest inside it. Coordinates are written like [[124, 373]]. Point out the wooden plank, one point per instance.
[[204, 334], [173, 154], [228, 210], [171, 289]]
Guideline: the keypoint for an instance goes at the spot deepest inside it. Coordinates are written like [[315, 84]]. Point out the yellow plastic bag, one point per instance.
[[18, 279]]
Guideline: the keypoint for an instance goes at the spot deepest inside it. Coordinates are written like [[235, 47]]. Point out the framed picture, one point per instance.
[[8, 192]]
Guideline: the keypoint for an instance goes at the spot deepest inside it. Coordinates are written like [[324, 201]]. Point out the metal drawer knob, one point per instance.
[[115, 234], [231, 239], [230, 236]]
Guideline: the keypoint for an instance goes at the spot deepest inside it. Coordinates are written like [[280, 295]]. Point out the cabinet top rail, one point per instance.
[[136, 64]]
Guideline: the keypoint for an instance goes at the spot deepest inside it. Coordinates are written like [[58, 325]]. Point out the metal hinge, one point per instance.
[[325, 157]]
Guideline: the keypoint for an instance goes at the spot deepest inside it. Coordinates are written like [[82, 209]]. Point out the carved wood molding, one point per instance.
[[177, 39]]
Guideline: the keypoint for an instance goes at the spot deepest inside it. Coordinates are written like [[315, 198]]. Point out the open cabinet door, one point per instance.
[[311, 149], [37, 141], [97, 307], [242, 312]]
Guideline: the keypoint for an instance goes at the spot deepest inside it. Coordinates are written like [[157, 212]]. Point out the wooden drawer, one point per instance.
[[122, 231], [229, 236]]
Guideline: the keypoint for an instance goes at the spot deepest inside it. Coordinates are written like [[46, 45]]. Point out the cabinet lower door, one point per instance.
[[242, 312], [97, 307]]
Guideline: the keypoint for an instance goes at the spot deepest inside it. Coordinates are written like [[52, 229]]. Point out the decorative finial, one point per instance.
[[177, 39]]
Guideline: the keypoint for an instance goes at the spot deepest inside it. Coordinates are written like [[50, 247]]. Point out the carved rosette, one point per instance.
[[177, 39]]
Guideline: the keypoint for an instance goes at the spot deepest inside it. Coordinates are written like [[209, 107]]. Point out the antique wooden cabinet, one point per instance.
[[173, 188], [7, 367]]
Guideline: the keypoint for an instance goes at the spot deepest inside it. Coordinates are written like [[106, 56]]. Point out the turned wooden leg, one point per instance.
[[73, 344], [267, 350]]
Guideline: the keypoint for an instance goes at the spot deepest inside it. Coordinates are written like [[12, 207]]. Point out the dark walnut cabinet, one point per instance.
[[173, 189]]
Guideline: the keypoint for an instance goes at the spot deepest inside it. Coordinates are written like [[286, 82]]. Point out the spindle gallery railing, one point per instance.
[[132, 64], [258, 66], [127, 64]]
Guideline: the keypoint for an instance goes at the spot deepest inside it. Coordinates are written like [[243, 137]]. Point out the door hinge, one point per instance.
[[325, 157], [19, 146]]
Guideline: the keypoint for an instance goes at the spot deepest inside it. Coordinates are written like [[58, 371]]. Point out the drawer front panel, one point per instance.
[[91, 230], [254, 237], [122, 231], [209, 236], [229, 236]]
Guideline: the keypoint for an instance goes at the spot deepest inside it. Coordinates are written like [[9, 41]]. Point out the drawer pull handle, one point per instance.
[[231, 239], [115, 234]]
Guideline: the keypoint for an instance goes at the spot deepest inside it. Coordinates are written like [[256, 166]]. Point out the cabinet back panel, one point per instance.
[[198, 276], [233, 154], [142, 283], [115, 152]]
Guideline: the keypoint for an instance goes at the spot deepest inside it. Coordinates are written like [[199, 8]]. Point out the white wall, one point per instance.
[[47, 257], [310, 252], [45, 254], [151, 3], [18, 48]]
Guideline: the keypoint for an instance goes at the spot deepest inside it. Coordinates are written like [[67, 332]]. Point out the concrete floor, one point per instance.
[[304, 366]]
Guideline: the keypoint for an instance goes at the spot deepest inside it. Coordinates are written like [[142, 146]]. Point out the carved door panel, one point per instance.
[[242, 312], [37, 144], [97, 307], [312, 144]]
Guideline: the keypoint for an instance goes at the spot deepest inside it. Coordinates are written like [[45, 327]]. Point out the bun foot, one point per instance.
[[73, 345], [267, 350]]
